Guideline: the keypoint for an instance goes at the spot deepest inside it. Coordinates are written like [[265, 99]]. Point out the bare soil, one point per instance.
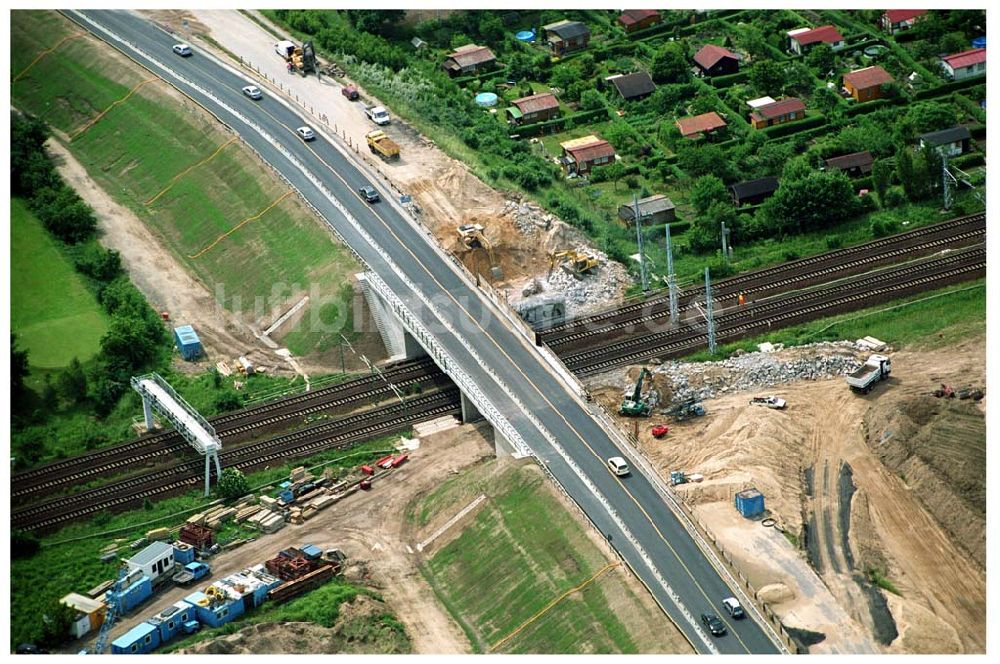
[[892, 481], [446, 192]]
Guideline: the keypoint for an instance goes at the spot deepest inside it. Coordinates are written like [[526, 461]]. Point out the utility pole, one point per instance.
[[708, 313], [945, 184], [671, 281], [638, 236]]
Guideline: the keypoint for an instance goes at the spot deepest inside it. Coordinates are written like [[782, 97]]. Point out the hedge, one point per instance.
[[977, 131], [729, 79], [870, 106], [968, 160], [786, 128], [950, 87], [528, 131]]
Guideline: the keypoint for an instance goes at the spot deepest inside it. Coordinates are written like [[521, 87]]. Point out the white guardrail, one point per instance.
[[420, 332]]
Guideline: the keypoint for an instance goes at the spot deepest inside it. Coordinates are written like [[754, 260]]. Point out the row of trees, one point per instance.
[[135, 339]]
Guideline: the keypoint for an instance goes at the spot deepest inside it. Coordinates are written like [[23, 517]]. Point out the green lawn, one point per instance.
[[69, 559], [520, 552], [141, 145], [53, 313]]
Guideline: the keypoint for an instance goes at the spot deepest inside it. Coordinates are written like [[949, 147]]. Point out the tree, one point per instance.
[[23, 544], [825, 99], [228, 401], [129, 341], [232, 484], [592, 100], [18, 371], [822, 58], [706, 159], [882, 170], [56, 623], [98, 263], [766, 77], [374, 20], [706, 192], [798, 79], [706, 230], [810, 203], [670, 64], [914, 174], [953, 42], [796, 169], [491, 28], [73, 383]]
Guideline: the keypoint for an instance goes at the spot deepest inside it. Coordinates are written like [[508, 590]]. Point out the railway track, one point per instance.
[[155, 449], [959, 232], [612, 342], [850, 295], [185, 475]]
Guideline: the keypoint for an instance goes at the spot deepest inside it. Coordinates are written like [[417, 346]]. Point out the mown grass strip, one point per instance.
[[241, 224], [187, 170], [109, 108], [41, 55]]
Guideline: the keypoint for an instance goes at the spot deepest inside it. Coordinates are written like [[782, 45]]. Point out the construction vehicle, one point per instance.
[[472, 237], [112, 602], [577, 263], [377, 114], [677, 477], [302, 58], [634, 406], [878, 367], [380, 143], [687, 409], [660, 430], [769, 402]]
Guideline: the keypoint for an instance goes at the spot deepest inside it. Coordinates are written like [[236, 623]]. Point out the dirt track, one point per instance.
[[819, 464]]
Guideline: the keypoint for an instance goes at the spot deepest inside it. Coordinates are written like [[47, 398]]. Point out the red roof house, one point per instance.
[[715, 60], [639, 19], [964, 65], [788, 109], [866, 84], [897, 20], [580, 155], [801, 39], [699, 125]]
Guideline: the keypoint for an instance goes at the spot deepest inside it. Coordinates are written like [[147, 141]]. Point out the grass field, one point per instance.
[[929, 320], [522, 551], [68, 560], [53, 313], [156, 140]]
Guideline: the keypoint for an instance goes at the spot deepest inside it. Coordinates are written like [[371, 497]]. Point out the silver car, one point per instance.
[[253, 92], [182, 50], [306, 133]]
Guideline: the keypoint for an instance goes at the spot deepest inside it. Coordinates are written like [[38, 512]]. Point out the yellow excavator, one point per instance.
[[472, 237], [577, 263]]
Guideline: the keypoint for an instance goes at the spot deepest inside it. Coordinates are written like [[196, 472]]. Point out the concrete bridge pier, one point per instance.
[[398, 341]]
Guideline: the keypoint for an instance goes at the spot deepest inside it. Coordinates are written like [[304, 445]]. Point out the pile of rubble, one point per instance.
[[528, 217], [684, 381]]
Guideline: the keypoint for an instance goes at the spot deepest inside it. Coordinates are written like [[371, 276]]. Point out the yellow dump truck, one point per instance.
[[379, 143]]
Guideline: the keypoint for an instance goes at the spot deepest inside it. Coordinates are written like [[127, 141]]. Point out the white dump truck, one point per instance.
[[878, 367]]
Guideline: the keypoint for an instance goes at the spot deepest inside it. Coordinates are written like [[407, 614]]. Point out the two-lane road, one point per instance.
[[571, 444]]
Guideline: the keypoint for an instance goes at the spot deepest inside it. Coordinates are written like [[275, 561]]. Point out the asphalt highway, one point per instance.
[[628, 510]]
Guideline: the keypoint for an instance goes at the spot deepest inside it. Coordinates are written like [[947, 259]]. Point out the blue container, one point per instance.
[[135, 594], [979, 42], [170, 621], [187, 342], [183, 553], [217, 615], [139, 640], [312, 551], [750, 503]]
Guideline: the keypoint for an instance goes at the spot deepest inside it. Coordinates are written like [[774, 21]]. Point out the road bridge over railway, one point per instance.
[[521, 389]]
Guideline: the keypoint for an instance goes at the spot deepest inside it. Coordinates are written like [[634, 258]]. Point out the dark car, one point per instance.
[[369, 194], [30, 649], [714, 625]]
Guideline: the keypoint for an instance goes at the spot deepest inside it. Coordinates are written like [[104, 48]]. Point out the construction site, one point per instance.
[[449, 422]]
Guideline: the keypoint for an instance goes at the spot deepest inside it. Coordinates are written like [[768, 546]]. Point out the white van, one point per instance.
[[618, 466]]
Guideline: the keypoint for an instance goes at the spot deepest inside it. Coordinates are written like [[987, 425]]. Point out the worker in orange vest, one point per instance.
[[742, 300]]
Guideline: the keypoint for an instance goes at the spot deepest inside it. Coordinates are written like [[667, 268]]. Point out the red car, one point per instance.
[[660, 430], [350, 92]]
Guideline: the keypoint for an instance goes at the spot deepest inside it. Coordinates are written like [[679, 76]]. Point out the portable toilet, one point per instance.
[[750, 503], [187, 342], [139, 640]]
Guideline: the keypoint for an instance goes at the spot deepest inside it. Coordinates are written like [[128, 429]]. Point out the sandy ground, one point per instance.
[[444, 189], [795, 457], [370, 527]]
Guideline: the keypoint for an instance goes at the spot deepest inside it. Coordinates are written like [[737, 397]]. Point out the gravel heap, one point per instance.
[[749, 371]]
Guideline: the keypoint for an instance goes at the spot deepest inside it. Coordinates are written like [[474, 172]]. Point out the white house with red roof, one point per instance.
[[898, 20], [801, 40], [966, 64]]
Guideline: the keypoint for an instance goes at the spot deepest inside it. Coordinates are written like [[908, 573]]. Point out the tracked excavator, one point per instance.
[[634, 406], [577, 263]]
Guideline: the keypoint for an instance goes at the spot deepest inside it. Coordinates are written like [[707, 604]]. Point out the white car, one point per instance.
[[770, 402], [253, 92], [183, 50], [733, 608], [306, 133], [618, 466]]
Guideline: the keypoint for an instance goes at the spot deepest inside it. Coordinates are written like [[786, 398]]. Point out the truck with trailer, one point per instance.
[[877, 368], [377, 114]]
